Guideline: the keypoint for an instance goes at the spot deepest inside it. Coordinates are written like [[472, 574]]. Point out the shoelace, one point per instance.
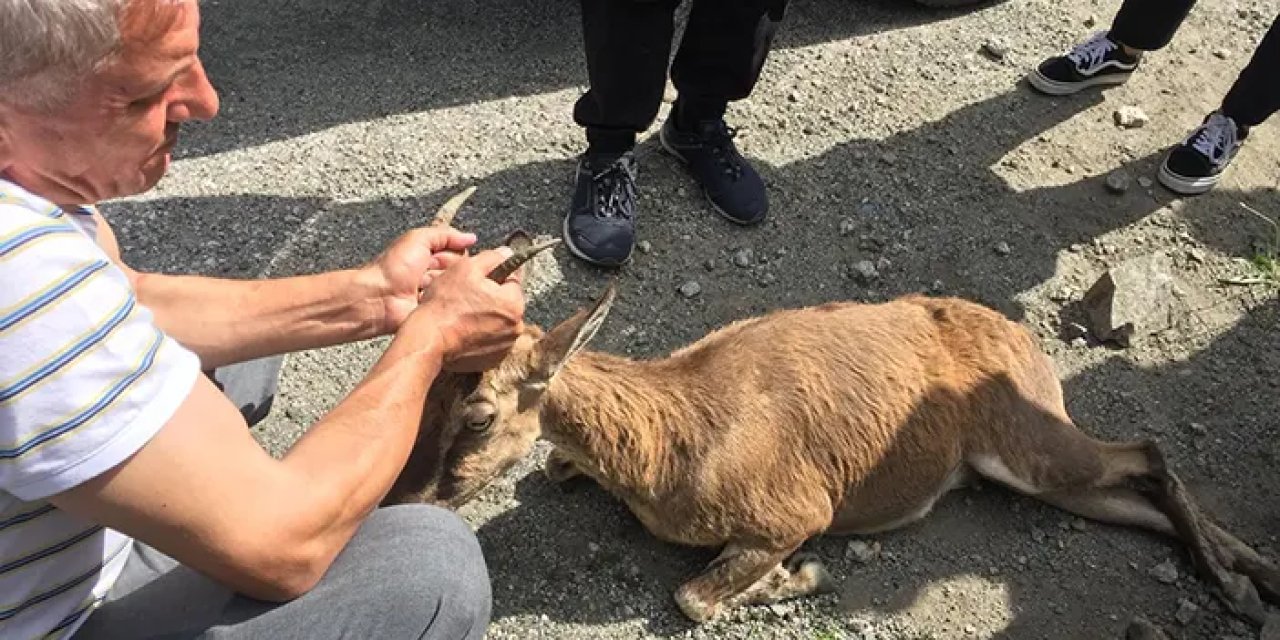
[[1090, 54], [1215, 138], [720, 140], [615, 185]]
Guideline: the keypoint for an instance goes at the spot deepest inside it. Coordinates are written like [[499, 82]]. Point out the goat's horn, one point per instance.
[[518, 258], [444, 216]]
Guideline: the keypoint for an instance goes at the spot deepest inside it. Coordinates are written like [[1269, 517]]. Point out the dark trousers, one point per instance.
[[1150, 24], [250, 385], [628, 46]]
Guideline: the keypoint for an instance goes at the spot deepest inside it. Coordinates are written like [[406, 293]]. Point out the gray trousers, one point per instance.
[[410, 572]]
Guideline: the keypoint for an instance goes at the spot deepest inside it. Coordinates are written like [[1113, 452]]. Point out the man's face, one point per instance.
[[115, 138]]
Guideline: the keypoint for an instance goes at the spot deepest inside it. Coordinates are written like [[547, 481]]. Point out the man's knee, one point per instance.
[[442, 573]]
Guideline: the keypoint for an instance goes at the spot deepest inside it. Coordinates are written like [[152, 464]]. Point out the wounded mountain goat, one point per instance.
[[839, 418]]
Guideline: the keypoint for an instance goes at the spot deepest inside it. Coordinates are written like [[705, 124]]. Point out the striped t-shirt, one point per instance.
[[86, 379]]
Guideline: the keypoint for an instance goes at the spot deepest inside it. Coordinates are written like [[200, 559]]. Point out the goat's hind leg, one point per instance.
[[1128, 483], [1263, 572], [1212, 550], [1102, 492], [744, 575], [1243, 577]]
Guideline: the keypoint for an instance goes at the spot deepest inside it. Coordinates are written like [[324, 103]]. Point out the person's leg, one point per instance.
[[628, 43], [721, 55], [410, 572], [1110, 57], [1196, 164], [720, 59], [250, 385], [1255, 96], [1148, 25]]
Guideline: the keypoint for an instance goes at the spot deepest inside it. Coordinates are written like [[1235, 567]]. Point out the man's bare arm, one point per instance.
[[204, 492], [226, 321]]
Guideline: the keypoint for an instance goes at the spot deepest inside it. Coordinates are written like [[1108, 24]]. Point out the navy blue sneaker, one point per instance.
[[732, 185], [1196, 165], [600, 227]]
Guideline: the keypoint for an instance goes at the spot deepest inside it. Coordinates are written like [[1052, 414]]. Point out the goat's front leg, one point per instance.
[[559, 468], [747, 575]]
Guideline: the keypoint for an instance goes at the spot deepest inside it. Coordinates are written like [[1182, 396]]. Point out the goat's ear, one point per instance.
[[568, 338]]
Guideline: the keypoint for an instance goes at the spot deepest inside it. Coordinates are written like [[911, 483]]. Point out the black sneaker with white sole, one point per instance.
[[733, 186], [1196, 165], [600, 226], [1097, 61]]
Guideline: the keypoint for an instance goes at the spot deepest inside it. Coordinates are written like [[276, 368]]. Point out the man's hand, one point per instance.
[[478, 320], [401, 271]]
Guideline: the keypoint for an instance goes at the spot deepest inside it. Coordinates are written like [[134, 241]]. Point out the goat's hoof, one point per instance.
[[810, 575], [1242, 598], [559, 469], [694, 607], [1270, 630], [798, 560], [1142, 629], [1265, 577]]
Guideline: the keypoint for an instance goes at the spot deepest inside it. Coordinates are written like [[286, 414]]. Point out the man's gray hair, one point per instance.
[[49, 47]]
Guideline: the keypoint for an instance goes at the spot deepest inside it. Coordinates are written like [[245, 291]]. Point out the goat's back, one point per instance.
[[872, 406]]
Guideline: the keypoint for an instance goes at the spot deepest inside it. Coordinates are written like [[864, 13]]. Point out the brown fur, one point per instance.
[[841, 418]]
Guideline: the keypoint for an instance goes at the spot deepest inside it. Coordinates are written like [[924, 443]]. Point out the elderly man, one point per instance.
[[133, 500]]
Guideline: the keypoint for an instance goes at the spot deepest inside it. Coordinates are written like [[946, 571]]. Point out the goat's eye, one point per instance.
[[480, 422]]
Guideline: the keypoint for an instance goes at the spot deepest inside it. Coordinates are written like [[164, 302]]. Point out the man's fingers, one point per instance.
[[429, 276], [514, 282], [439, 239], [459, 241], [489, 260], [445, 260], [483, 262]]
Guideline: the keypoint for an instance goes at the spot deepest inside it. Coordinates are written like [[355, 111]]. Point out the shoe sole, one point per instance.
[[1183, 185], [666, 146], [568, 242], [1055, 88]]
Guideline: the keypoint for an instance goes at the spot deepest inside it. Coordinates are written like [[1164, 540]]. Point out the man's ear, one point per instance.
[[6, 144], [568, 338]]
